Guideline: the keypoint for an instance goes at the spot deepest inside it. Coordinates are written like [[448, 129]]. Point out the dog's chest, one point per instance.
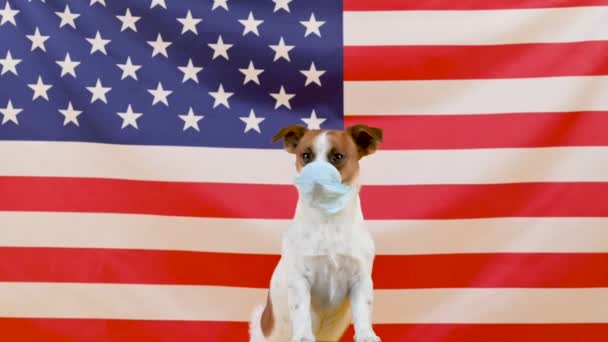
[[330, 255], [329, 239], [330, 278]]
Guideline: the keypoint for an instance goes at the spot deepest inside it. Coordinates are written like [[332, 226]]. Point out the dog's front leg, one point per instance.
[[361, 299], [298, 297]]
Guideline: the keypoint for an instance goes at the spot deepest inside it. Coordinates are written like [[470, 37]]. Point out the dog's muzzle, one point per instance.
[[321, 185]]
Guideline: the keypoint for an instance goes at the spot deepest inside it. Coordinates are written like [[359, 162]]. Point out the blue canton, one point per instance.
[[217, 73]]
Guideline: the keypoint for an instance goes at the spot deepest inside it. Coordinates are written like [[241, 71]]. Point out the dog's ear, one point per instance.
[[291, 136], [366, 138]]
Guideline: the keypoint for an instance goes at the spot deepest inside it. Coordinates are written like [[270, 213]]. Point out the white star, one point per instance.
[[159, 46], [252, 122], [37, 40], [313, 75], [220, 49], [191, 120], [160, 3], [190, 71], [251, 73], [189, 23], [9, 64], [281, 50], [10, 113], [312, 26], [98, 92], [102, 2], [251, 24], [160, 94], [220, 3], [68, 66], [8, 14], [128, 21], [40, 89], [221, 97], [98, 43], [67, 17], [281, 4], [282, 98], [129, 118], [129, 69], [313, 121], [70, 114]]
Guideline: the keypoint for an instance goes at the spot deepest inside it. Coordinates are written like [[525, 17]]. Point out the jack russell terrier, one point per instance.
[[323, 278]]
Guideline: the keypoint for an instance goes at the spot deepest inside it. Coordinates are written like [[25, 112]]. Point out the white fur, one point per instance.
[[323, 279], [321, 146]]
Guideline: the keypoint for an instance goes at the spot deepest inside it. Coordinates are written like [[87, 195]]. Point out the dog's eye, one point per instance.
[[306, 157], [336, 157]]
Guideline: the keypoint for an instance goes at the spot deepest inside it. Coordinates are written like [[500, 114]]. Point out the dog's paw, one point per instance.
[[368, 337]]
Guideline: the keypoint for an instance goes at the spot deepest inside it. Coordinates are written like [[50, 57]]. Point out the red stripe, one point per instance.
[[395, 5], [538, 270], [366, 63], [489, 131], [488, 332], [146, 197], [105, 330], [278, 201], [135, 266], [102, 330], [248, 270]]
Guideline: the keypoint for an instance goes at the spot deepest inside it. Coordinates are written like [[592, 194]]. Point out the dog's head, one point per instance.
[[343, 149]]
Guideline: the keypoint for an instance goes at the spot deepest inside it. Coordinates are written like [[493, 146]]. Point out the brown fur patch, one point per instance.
[[329, 329], [267, 320], [340, 142], [306, 144], [291, 136], [366, 138]]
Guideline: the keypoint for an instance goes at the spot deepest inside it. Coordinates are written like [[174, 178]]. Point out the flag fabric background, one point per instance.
[[141, 197]]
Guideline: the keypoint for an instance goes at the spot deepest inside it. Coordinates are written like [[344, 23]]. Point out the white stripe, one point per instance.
[[492, 306], [163, 163], [503, 235], [491, 96], [552, 25], [187, 164], [171, 302], [486, 166]]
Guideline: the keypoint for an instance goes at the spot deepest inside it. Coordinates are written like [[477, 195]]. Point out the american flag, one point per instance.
[[141, 198]]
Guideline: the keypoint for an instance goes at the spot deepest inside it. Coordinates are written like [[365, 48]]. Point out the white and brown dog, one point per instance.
[[323, 279]]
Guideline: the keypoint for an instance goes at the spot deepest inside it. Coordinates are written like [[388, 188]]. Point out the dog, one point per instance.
[[323, 279]]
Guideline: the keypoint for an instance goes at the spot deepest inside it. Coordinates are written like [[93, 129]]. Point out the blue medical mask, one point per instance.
[[321, 185]]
